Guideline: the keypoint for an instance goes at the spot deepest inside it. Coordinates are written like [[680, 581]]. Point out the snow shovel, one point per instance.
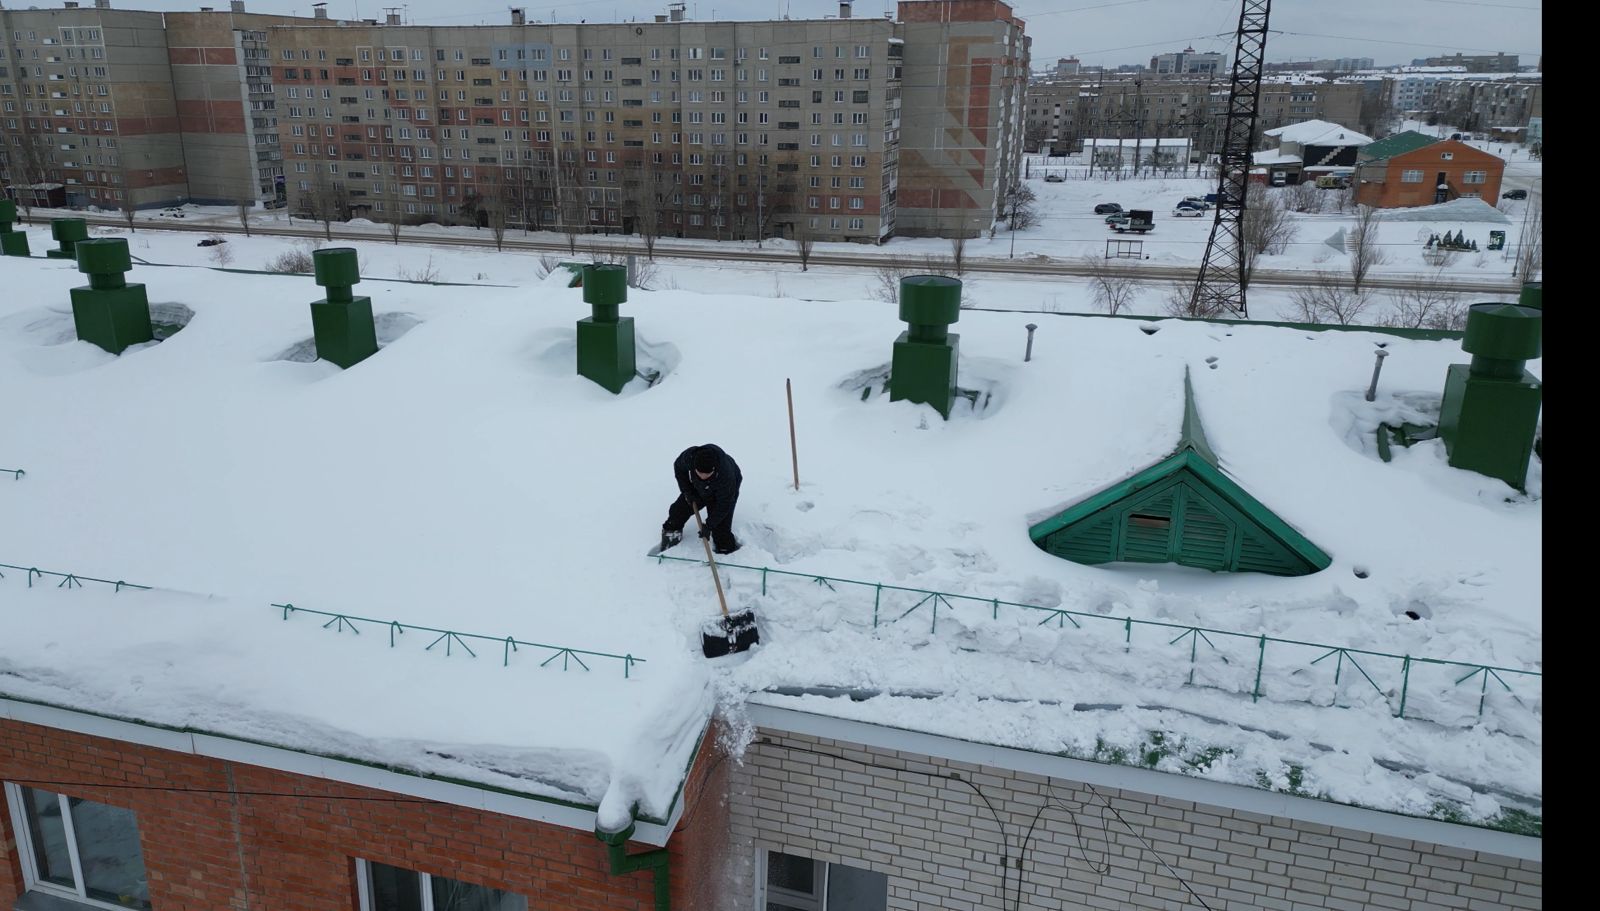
[[729, 633]]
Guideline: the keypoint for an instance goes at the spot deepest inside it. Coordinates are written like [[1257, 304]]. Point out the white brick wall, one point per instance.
[[940, 828]]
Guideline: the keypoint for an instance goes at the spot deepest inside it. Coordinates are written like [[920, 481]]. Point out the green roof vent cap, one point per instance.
[[1502, 338], [929, 304], [1531, 293]]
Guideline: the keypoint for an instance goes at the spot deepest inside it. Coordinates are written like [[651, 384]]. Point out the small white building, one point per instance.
[[1154, 153]]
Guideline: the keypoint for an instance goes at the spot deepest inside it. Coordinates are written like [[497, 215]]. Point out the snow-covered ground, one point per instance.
[[465, 479]]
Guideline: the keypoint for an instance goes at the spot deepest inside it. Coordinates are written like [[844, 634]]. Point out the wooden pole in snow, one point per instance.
[[794, 453]]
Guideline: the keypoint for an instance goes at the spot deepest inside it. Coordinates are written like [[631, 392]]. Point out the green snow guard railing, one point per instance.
[[451, 639], [1255, 645]]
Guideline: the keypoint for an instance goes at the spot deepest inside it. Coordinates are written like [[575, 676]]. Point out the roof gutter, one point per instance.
[[656, 861]]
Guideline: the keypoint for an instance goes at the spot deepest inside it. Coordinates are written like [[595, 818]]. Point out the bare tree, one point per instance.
[[1114, 284], [1362, 242], [29, 163], [1180, 300], [1530, 248], [1302, 197], [1018, 207], [958, 253], [1266, 228], [326, 202], [126, 205], [220, 254], [644, 202], [1426, 305], [1326, 299], [805, 239], [245, 208], [571, 209], [495, 208]]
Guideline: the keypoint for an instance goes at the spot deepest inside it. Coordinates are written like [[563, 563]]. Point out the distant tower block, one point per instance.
[[68, 232], [109, 312], [12, 243], [606, 352], [1490, 412], [924, 365], [341, 322]]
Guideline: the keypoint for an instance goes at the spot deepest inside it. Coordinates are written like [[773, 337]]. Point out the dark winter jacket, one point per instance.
[[718, 492]]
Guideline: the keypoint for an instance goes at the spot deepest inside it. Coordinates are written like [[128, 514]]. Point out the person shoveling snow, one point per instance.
[[708, 477]]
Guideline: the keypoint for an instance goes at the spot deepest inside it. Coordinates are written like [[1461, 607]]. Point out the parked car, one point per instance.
[[1187, 212], [1211, 198], [1106, 208], [1140, 221], [1054, 178], [1514, 194], [1191, 204], [1198, 201]]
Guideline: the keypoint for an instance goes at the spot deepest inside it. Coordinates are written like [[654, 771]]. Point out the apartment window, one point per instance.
[[1475, 177], [384, 888], [858, 224], [801, 884], [1447, 155], [79, 849], [1411, 177]]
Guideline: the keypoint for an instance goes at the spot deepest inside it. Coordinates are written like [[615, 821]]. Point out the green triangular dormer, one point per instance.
[[1184, 510]]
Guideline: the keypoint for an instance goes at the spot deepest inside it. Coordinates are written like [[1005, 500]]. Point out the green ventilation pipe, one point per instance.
[[12, 243], [67, 232], [1490, 413], [341, 323], [109, 311], [606, 353], [923, 368], [622, 863]]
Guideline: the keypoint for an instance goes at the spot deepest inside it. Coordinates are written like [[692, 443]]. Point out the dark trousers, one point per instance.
[[679, 514]]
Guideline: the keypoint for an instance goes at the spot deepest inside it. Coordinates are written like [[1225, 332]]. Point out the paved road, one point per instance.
[[870, 257]]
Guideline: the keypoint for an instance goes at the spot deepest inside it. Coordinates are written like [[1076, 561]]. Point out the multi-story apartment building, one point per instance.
[[1484, 63], [110, 108], [966, 78], [1065, 112], [1476, 102], [681, 128], [1187, 62]]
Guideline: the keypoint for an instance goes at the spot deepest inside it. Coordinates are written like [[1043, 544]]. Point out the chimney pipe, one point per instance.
[[518, 17], [319, 10], [236, 6], [70, 5], [675, 11], [661, 17], [205, 9], [391, 19], [844, 9], [102, 4]]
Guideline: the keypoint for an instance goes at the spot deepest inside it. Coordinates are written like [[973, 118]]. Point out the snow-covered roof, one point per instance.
[[1319, 133], [1148, 142], [464, 479], [1273, 156]]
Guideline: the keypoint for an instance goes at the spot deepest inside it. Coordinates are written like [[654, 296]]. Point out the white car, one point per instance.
[[1186, 212]]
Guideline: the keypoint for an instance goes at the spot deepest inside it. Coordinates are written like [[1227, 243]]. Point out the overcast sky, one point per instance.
[[1096, 31]]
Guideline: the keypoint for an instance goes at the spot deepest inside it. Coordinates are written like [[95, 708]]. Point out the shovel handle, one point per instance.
[[715, 577]]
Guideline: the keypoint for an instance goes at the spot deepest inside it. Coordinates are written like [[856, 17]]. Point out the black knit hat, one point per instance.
[[705, 459]]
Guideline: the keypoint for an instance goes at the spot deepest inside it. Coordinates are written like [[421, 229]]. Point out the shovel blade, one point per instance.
[[730, 635]]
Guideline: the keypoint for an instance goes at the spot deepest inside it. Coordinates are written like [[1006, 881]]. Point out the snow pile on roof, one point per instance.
[[464, 479], [1273, 156], [1464, 208], [1319, 133]]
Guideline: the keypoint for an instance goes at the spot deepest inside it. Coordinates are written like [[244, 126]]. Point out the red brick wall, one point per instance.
[[953, 11], [223, 836], [1392, 193]]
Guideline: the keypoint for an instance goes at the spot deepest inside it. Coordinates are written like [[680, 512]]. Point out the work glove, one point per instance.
[[705, 532]]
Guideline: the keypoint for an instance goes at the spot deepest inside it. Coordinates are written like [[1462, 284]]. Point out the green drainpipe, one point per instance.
[[623, 863]]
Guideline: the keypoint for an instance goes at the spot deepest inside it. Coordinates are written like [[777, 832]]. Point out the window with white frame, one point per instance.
[[381, 887], [795, 883], [1475, 177], [78, 849], [1411, 176]]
